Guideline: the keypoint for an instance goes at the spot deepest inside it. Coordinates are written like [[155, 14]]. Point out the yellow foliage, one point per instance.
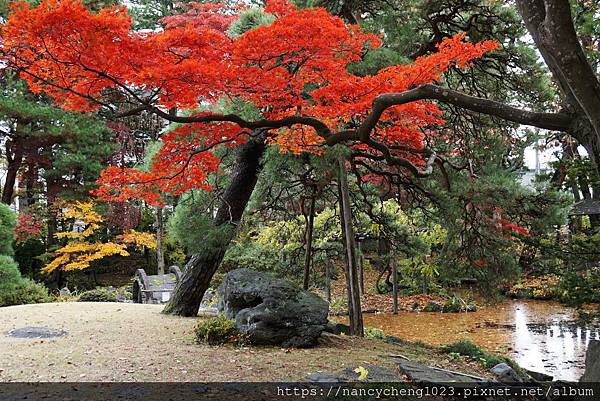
[[79, 255], [362, 373], [82, 212], [79, 252], [138, 239]]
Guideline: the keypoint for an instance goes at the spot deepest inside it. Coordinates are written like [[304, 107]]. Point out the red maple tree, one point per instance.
[[293, 70]]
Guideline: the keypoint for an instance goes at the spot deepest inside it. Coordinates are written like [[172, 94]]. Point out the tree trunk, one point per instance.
[[356, 321], [395, 284], [160, 256], [328, 279], [551, 26], [351, 313], [8, 190], [359, 264], [309, 242], [201, 267]]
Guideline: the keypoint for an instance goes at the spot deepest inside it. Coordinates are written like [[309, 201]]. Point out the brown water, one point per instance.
[[539, 335]]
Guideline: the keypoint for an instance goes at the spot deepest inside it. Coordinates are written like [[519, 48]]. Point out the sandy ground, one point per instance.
[[135, 342]]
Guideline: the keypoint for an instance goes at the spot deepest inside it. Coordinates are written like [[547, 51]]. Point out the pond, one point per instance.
[[539, 335]]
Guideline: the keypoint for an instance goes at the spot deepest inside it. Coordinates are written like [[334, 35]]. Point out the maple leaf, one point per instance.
[[362, 373]]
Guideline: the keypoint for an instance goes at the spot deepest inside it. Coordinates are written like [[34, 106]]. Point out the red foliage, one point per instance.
[[28, 226], [279, 8], [217, 16], [296, 66], [124, 216]]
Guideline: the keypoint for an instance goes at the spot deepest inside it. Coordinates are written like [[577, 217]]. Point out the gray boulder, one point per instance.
[[270, 310], [506, 374], [592, 363]]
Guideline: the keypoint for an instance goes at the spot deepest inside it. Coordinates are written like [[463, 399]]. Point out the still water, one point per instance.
[[539, 335]]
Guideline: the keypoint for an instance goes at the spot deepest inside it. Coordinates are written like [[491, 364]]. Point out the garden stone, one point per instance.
[[592, 363], [36, 332], [65, 292], [272, 311], [506, 374], [325, 377], [374, 374]]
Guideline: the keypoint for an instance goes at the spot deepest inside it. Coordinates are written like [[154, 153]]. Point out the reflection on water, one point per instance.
[[539, 335]]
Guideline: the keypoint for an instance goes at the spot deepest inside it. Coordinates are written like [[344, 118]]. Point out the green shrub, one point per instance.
[[374, 333], [465, 348], [98, 295], [7, 229], [456, 304], [217, 330], [16, 290], [27, 292], [469, 349], [250, 19], [10, 277], [576, 288], [433, 307]]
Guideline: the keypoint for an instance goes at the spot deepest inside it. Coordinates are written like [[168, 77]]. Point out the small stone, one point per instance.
[[506, 374]]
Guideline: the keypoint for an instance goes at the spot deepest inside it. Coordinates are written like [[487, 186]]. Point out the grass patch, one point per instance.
[[466, 348], [373, 333], [219, 330], [98, 295]]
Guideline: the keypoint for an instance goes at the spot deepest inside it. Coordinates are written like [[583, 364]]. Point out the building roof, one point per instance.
[[585, 207]]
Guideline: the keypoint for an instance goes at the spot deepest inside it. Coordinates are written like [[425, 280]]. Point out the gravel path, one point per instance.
[[134, 342]]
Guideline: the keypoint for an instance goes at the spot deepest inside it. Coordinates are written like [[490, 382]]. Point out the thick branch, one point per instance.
[[550, 121]]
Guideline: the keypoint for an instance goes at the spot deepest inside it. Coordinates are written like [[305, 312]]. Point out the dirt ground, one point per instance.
[[134, 342]]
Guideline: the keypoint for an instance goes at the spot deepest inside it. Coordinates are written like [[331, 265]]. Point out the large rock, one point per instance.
[[270, 310], [592, 363]]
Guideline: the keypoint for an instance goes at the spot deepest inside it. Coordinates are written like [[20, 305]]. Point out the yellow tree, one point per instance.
[[81, 250]]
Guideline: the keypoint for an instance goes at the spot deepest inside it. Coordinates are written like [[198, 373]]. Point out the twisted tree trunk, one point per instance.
[[201, 267]]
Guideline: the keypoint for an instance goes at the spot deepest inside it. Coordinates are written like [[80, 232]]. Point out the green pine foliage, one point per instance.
[[16, 290], [7, 227]]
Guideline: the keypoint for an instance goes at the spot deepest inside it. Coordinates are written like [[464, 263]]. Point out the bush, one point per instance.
[[217, 330], [27, 292], [577, 288], [374, 333], [469, 349], [433, 307], [10, 277], [98, 295], [456, 304], [16, 290], [7, 229], [540, 287]]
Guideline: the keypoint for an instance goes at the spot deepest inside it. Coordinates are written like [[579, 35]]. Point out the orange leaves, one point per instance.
[[297, 139], [295, 66], [68, 52], [74, 56], [304, 47], [217, 16], [184, 162], [279, 8], [352, 97]]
